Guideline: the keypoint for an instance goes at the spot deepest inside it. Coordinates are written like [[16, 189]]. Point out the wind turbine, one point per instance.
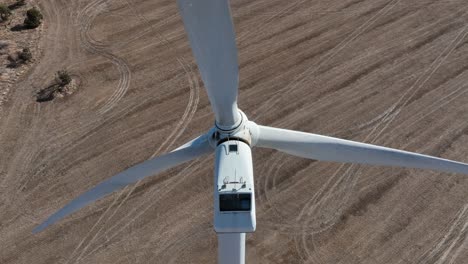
[[212, 38]]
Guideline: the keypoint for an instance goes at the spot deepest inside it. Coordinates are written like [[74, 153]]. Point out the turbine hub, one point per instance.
[[246, 131]]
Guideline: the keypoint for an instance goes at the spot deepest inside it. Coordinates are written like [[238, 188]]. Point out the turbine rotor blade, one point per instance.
[[325, 148], [187, 152], [211, 34]]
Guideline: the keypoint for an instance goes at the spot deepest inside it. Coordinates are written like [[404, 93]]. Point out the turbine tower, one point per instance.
[[212, 38]]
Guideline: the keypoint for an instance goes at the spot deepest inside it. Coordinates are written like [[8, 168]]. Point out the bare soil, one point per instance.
[[388, 72]]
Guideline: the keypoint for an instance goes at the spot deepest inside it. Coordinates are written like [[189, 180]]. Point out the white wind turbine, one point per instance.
[[211, 34]]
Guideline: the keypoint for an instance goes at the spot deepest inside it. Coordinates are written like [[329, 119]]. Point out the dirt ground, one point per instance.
[[389, 72]]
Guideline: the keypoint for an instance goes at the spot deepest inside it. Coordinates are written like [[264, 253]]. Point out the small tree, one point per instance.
[[33, 18], [19, 58], [25, 55], [62, 78], [5, 13]]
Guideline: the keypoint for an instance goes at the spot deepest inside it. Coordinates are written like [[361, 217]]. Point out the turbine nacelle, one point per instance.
[[234, 195]]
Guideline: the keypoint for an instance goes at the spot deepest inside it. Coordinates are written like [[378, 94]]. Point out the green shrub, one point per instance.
[[19, 58], [5, 13], [25, 55], [62, 78], [33, 18]]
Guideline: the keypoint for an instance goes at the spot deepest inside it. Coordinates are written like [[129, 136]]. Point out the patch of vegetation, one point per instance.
[[5, 13], [33, 18], [62, 78], [25, 55], [19, 58]]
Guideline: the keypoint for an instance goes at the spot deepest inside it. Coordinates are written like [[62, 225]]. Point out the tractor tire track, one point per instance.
[[64, 127], [86, 17], [369, 124], [331, 54], [97, 48], [142, 208], [299, 79], [180, 128], [397, 109], [26, 114], [453, 240], [73, 127]]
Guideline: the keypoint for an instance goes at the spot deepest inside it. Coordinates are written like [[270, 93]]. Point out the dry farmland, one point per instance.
[[389, 72]]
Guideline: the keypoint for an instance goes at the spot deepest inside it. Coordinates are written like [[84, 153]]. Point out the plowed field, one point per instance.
[[388, 72]]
